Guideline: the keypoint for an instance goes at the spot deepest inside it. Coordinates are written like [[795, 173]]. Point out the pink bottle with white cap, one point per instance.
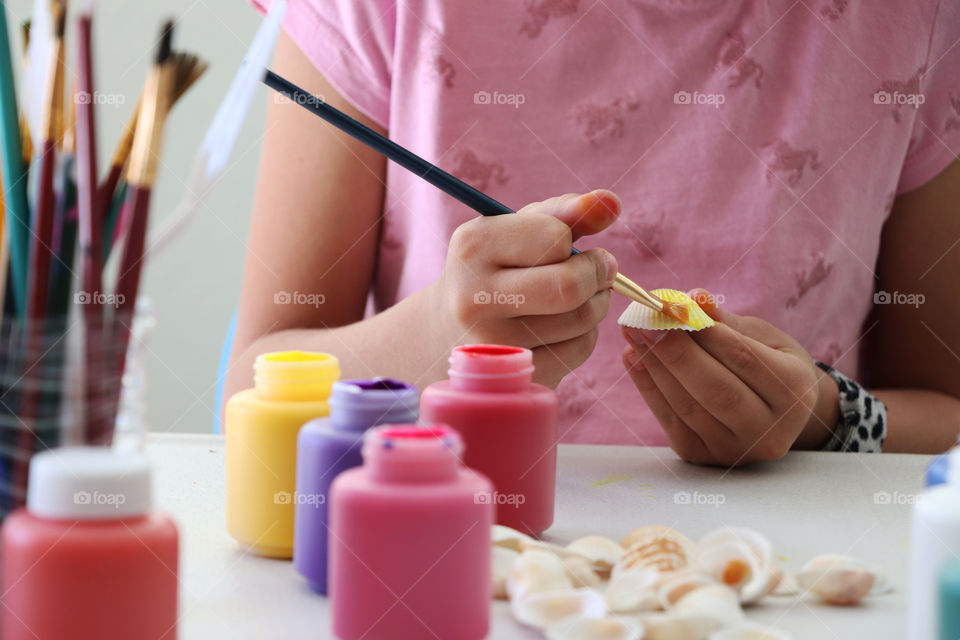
[[509, 427], [409, 554]]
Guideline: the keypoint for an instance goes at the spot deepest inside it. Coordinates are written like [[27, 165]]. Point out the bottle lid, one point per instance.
[[88, 483]]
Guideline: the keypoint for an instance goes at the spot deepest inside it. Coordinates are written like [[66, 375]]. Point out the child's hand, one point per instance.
[[734, 393], [510, 279]]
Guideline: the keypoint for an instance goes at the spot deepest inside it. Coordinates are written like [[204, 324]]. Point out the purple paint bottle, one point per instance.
[[328, 446]]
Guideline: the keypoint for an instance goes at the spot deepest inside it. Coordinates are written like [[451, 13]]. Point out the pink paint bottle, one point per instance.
[[88, 559], [410, 540], [508, 425]]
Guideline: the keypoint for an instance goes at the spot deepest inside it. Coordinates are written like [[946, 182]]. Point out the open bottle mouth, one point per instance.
[[408, 452], [491, 367], [361, 404]]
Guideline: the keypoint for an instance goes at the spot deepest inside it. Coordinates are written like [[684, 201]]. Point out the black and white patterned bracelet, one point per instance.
[[863, 418]]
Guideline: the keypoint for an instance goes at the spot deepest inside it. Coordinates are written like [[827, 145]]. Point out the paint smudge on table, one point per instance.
[[618, 477]]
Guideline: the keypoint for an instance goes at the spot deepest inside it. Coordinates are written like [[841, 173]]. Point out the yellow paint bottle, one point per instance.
[[289, 389]]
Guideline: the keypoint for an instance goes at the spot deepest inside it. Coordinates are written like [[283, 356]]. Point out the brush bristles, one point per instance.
[[165, 47], [25, 33], [189, 68], [60, 19]]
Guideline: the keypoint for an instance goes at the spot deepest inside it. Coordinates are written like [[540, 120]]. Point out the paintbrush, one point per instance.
[[14, 174], [168, 77], [90, 231], [42, 221], [26, 141], [211, 159], [473, 198], [112, 191]]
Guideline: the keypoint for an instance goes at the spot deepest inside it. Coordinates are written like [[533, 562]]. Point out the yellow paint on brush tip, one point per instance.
[[641, 317]]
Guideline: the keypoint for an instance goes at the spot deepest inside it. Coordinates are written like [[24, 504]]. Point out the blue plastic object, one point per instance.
[[222, 370]]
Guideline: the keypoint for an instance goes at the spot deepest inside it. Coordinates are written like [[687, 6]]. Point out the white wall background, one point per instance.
[[196, 283]]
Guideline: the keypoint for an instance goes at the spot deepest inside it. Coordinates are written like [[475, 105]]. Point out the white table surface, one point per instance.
[[808, 503]]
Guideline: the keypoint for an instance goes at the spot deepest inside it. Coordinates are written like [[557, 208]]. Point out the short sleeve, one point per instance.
[[351, 43], [935, 138]]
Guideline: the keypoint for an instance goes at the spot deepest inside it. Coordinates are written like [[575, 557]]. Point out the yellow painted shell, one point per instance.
[[639, 316]]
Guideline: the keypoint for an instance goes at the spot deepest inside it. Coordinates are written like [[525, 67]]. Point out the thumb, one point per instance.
[[585, 214]]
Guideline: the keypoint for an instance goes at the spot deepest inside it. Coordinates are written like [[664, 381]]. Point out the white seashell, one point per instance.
[[838, 579], [678, 584], [679, 626], [603, 552], [595, 629], [633, 591], [716, 600], [547, 608], [740, 558], [510, 538], [657, 548], [581, 572], [534, 571], [751, 631], [503, 559], [786, 584]]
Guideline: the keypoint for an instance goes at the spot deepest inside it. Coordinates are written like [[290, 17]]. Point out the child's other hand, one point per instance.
[[734, 393], [510, 279]]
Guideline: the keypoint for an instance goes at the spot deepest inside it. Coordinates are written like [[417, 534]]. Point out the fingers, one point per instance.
[[770, 373], [686, 442], [559, 287], [566, 326], [698, 385], [512, 241], [585, 214], [554, 361]]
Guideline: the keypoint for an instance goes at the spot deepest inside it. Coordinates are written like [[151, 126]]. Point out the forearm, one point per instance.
[[400, 342], [919, 421]]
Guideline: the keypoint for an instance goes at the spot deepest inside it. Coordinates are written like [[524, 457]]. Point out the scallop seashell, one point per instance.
[[740, 558], [534, 571], [640, 316], [503, 559], [657, 548], [603, 552], [751, 631], [633, 591], [679, 626], [510, 538], [581, 572], [548, 608], [838, 579], [595, 629], [680, 583], [715, 600]]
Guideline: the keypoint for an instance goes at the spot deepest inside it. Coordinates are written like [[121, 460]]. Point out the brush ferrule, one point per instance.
[[145, 152]]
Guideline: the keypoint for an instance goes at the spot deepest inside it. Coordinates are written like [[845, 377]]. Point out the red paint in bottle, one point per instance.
[[509, 426]]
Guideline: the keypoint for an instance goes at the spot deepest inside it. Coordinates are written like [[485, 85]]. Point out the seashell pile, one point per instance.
[[657, 583]]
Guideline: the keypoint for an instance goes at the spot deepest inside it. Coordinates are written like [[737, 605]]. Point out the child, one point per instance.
[[796, 159]]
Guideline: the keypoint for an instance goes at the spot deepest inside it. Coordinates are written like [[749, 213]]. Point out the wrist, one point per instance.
[[825, 416]]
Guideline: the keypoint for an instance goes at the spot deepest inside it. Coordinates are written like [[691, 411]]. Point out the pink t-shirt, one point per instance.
[[757, 146]]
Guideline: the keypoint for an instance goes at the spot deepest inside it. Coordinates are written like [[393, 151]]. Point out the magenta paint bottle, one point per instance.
[[410, 540], [328, 446], [509, 428]]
